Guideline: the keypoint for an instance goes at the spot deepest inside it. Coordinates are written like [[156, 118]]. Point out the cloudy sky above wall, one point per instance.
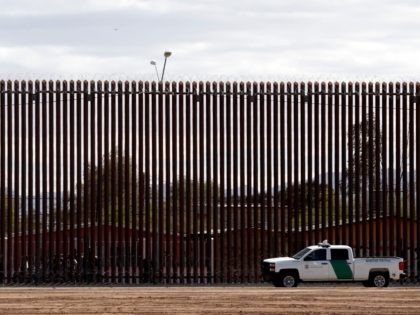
[[211, 39]]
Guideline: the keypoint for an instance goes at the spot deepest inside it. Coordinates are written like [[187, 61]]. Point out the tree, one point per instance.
[[365, 145], [310, 197], [101, 186]]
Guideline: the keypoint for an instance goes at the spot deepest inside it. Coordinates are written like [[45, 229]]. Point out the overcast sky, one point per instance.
[[211, 39]]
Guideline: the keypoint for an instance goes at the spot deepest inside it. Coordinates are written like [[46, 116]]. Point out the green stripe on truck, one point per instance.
[[342, 269]]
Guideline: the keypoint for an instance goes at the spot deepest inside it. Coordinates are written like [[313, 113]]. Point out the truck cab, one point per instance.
[[331, 263]]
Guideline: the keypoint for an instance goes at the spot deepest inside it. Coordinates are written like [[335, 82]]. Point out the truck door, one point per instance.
[[341, 265], [315, 266]]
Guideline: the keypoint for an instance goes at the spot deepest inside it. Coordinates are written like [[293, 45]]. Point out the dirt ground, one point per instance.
[[210, 300]]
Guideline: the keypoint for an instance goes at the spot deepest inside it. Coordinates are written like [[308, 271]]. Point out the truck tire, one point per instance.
[[287, 280], [379, 279]]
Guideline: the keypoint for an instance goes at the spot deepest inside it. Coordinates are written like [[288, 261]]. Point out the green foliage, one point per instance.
[[295, 198]]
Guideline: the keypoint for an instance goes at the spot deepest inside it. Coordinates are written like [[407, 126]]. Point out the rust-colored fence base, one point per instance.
[[138, 182]]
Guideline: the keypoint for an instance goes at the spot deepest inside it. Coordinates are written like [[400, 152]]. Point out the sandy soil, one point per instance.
[[210, 300]]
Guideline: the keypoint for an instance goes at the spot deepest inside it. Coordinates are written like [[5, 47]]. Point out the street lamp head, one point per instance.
[[167, 54], [153, 63]]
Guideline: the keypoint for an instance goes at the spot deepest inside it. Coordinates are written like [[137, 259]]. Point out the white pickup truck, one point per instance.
[[331, 263]]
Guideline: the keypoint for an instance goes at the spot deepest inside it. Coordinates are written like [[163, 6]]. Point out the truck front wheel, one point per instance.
[[379, 280], [286, 279]]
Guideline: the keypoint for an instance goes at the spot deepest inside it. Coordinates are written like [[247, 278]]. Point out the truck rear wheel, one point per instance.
[[379, 280], [287, 280]]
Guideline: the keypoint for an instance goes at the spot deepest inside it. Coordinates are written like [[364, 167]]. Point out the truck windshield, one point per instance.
[[302, 253]]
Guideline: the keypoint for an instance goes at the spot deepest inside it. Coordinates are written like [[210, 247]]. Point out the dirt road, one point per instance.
[[210, 300]]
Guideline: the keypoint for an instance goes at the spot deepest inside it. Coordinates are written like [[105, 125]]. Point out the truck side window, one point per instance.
[[319, 254], [339, 254]]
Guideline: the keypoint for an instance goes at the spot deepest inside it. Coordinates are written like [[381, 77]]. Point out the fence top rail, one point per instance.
[[301, 93]]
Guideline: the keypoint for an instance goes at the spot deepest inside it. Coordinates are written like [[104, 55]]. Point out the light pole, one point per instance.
[[166, 54], [153, 63]]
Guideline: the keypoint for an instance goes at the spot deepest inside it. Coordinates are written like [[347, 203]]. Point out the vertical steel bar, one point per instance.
[[31, 165], [357, 158], [86, 198], [9, 155], [276, 176], [161, 172], [344, 186], [237, 216], [261, 178], [337, 207], [311, 158], [143, 184], [297, 211], [154, 185], [188, 181], [107, 180], [100, 202], [411, 183], [95, 183], [89, 101], [209, 193], [350, 153], [72, 178], [181, 187], [134, 180], [391, 169], [65, 172], [120, 180], [371, 167], [377, 138], [284, 212], [168, 208], [175, 193], [256, 208], [16, 192], [196, 100], [417, 268], [217, 205], [44, 181], [317, 156], [228, 173], [249, 205], [242, 184], [113, 156], [364, 150], [38, 249], [222, 226], [50, 167], [3, 153], [331, 149], [127, 179], [268, 227], [79, 193], [275, 251], [385, 227], [59, 228], [404, 174], [324, 186], [398, 238], [201, 179], [23, 261], [289, 167], [303, 198]]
